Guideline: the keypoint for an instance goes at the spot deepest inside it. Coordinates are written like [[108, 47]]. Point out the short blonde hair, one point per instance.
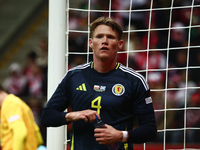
[[108, 22]]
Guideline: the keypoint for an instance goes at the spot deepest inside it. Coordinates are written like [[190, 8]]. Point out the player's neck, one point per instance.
[[104, 66]]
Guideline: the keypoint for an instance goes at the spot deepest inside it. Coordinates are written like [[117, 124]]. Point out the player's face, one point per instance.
[[105, 43]]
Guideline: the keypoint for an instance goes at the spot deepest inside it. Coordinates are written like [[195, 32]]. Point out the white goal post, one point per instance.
[[61, 52], [56, 64]]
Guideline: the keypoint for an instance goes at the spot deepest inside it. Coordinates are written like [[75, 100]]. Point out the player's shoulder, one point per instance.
[[77, 69], [130, 72], [133, 75], [12, 101]]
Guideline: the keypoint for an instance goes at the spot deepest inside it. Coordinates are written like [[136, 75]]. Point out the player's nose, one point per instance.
[[104, 40]]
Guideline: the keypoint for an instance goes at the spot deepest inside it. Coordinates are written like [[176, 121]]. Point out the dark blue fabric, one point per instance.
[[122, 95]]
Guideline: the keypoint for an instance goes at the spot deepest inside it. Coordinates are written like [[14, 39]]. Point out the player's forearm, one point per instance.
[[86, 115], [53, 118], [122, 136], [142, 134], [146, 131]]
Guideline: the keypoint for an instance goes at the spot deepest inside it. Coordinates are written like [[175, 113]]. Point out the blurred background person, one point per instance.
[[15, 82], [19, 130]]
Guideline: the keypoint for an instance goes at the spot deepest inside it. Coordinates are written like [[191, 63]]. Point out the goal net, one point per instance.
[[162, 42]]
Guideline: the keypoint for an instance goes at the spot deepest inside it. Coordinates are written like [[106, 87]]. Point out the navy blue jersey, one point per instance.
[[118, 96]]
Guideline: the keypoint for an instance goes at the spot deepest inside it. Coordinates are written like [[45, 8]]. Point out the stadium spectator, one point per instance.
[[42, 60], [77, 60], [195, 61], [36, 106], [172, 83], [181, 58], [31, 60], [137, 46], [19, 130], [179, 101], [15, 82], [105, 89], [36, 82], [180, 94], [42, 53], [156, 60], [36, 78], [150, 39], [177, 40], [137, 18], [193, 118]]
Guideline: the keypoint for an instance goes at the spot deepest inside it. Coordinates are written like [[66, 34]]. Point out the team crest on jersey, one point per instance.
[[118, 89]]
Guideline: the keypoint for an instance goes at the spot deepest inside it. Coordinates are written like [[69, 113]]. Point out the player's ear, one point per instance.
[[120, 44], [91, 43]]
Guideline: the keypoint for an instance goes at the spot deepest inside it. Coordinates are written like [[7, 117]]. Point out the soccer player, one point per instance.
[[106, 89], [19, 130]]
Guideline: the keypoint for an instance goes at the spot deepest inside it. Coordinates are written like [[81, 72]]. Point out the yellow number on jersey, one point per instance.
[[96, 103]]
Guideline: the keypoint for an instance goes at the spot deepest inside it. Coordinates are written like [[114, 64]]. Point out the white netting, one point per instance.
[[161, 41]]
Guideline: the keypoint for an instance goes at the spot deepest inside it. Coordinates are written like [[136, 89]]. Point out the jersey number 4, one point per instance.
[[96, 103]]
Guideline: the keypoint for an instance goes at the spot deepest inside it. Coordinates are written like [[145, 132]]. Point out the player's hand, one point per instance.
[[108, 135], [84, 114]]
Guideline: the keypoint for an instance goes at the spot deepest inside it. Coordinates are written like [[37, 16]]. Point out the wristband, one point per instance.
[[125, 136]]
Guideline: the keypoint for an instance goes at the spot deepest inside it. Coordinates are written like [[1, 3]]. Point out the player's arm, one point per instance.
[[143, 108], [38, 135], [19, 134], [54, 117], [146, 131], [51, 117], [86, 115], [53, 114]]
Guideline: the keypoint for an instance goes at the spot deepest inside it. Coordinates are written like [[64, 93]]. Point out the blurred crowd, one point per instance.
[[171, 64]]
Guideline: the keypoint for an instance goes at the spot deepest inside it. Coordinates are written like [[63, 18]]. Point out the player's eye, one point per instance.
[[99, 36], [111, 37]]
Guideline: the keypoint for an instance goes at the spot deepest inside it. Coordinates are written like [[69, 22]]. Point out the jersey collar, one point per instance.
[[104, 74], [117, 65]]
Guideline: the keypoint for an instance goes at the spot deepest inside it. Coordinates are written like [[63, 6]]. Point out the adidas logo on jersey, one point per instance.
[[81, 87]]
